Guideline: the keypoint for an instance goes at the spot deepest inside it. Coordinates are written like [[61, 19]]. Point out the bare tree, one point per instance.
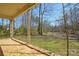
[[42, 11], [65, 26], [72, 22]]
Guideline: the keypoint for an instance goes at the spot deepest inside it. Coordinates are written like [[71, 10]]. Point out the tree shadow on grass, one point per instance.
[[1, 52]]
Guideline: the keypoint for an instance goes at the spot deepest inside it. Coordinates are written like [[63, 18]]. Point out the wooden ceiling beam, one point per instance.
[[5, 16], [25, 9]]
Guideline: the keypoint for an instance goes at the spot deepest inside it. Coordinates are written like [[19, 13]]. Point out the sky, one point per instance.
[[53, 13]]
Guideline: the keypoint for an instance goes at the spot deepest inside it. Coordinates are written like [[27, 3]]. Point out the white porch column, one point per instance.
[[11, 28], [28, 25]]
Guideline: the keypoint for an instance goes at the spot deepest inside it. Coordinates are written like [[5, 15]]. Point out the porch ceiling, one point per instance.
[[12, 10]]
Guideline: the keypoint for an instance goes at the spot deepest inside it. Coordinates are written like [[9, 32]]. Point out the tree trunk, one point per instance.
[[28, 25], [11, 28], [2, 24], [66, 31]]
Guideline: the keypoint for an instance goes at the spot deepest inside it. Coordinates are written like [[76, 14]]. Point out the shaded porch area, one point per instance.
[[9, 47]]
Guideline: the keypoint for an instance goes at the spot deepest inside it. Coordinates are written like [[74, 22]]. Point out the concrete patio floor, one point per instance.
[[9, 47]]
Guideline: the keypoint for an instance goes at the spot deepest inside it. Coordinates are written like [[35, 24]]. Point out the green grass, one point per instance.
[[58, 46]]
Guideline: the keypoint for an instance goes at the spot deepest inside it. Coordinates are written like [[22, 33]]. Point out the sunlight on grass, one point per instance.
[[57, 46]]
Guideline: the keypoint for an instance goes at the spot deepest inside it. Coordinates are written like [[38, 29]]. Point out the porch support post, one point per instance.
[[28, 26], [11, 28]]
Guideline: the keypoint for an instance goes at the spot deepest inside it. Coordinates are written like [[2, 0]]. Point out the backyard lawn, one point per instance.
[[57, 46]]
